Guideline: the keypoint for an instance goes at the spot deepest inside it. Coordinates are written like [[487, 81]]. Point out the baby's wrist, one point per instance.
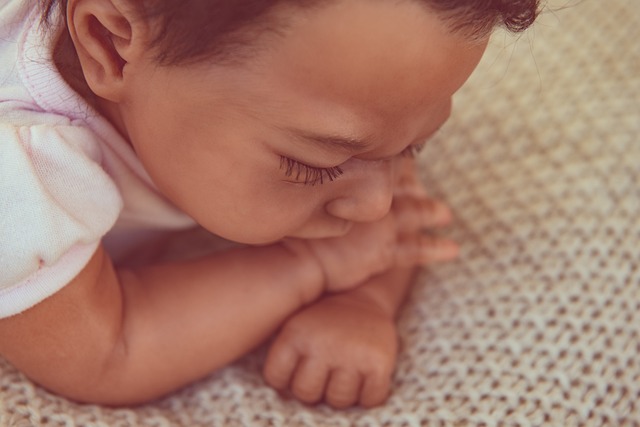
[[311, 277], [386, 291]]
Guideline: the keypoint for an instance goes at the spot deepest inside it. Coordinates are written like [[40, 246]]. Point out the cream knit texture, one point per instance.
[[538, 322]]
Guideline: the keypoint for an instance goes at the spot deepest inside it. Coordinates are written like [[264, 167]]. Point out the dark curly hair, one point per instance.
[[192, 30]]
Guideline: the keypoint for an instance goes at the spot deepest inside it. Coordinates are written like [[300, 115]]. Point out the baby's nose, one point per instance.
[[367, 199]]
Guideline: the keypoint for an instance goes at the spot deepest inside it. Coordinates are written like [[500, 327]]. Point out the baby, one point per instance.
[[287, 126]]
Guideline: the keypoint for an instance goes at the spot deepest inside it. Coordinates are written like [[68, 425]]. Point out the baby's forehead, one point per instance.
[[371, 69], [374, 53]]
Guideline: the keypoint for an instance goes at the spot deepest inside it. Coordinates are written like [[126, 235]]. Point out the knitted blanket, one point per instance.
[[538, 322]]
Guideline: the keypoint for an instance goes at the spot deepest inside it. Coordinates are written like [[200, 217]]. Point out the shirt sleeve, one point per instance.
[[56, 203]]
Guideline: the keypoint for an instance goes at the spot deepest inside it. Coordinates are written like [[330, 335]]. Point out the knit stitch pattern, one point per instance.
[[538, 322]]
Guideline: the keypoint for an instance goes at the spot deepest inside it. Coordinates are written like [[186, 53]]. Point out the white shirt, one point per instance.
[[68, 179]]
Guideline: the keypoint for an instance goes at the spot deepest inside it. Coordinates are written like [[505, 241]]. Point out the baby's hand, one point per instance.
[[340, 349], [397, 240]]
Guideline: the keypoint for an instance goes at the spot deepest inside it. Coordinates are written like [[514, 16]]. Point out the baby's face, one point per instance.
[[305, 138]]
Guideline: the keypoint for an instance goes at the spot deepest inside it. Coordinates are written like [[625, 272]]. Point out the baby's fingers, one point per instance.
[[375, 390], [280, 365], [343, 389], [414, 214], [309, 379], [420, 249]]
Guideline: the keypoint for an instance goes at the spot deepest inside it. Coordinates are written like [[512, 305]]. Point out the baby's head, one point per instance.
[[264, 119], [188, 31]]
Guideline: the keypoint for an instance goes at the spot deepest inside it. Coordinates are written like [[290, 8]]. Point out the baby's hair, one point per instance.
[[190, 31]]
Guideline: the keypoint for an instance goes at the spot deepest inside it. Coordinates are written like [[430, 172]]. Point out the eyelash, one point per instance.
[[311, 175], [308, 175]]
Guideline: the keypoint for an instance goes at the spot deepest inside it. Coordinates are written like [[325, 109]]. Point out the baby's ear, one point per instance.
[[108, 36]]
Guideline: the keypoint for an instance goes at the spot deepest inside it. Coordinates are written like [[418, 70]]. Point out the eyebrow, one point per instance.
[[349, 144]]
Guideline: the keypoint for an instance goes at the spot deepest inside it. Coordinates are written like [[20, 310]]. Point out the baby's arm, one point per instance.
[[123, 337], [127, 336]]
